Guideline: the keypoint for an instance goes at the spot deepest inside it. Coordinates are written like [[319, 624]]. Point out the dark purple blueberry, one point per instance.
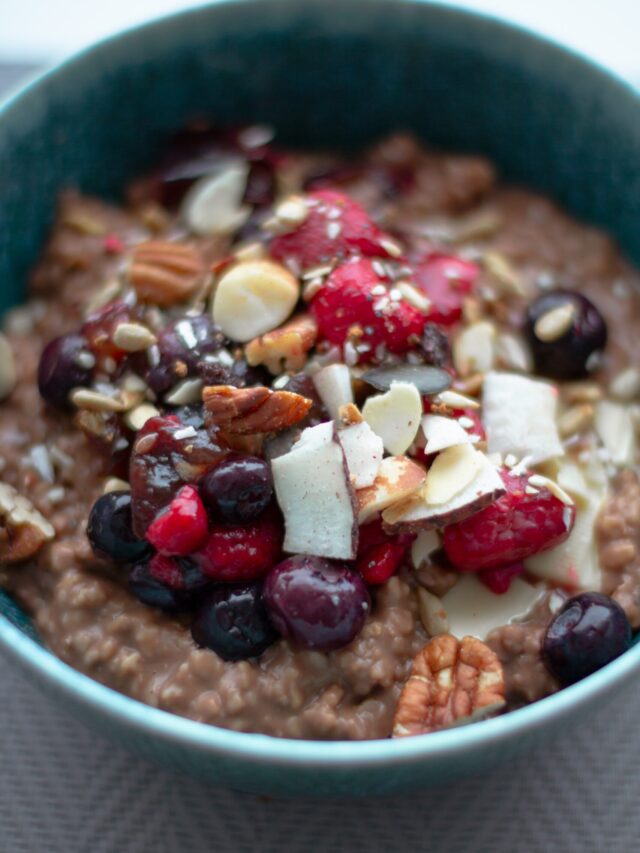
[[316, 603], [238, 489], [178, 573], [575, 351], [149, 590], [233, 622], [110, 529], [590, 631], [434, 346], [181, 346], [65, 363]]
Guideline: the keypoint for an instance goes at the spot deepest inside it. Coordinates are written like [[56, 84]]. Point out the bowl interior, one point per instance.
[[336, 73]]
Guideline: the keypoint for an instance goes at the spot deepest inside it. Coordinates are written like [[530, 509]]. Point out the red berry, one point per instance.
[[347, 299], [499, 580], [182, 527], [242, 552], [514, 527], [446, 280], [166, 570], [113, 245], [381, 562], [335, 227]]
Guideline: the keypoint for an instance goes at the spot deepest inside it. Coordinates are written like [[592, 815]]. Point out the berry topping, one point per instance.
[[349, 298], [178, 573], [589, 631], [567, 333], [316, 603], [166, 454], [233, 622], [239, 489], [155, 593], [65, 363], [182, 345], [110, 529], [335, 227], [514, 527], [500, 580], [446, 280], [242, 553], [381, 562], [182, 526]]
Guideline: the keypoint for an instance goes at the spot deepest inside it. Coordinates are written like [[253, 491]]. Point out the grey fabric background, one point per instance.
[[65, 790]]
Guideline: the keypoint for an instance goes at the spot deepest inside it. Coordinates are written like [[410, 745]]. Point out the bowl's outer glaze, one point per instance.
[[325, 72]]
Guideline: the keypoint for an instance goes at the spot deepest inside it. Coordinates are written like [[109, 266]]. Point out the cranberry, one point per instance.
[[178, 573], [446, 280], [514, 527], [181, 527], [349, 298], [233, 622], [182, 345], [499, 580], [164, 457], [100, 326], [589, 632], [381, 562], [335, 227], [238, 489], [110, 529], [153, 592], [65, 364], [242, 553], [570, 354], [316, 603], [434, 346]]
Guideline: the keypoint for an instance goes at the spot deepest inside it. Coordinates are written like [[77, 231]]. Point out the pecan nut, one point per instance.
[[165, 273], [286, 347], [23, 530], [452, 682], [245, 411]]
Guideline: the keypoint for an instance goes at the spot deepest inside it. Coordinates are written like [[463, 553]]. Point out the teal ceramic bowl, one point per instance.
[[324, 72]]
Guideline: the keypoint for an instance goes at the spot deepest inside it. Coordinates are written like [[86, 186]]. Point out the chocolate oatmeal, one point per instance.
[[323, 448]]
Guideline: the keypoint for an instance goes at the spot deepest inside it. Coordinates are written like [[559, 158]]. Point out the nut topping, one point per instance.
[[243, 411], [452, 682], [165, 273], [286, 347], [23, 530]]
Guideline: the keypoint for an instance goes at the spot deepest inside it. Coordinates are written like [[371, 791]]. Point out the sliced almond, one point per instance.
[[474, 348], [615, 428], [432, 613], [397, 478], [626, 385], [213, 205], [395, 416], [253, 298], [441, 433], [94, 401], [451, 471], [472, 609]]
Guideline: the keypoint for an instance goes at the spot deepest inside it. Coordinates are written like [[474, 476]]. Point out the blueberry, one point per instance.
[[145, 584], [110, 529], [316, 603], [590, 631], [233, 622], [568, 348], [65, 363], [182, 345], [238, 489]]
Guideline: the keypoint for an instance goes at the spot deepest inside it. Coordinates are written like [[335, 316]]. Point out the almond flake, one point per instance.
[[94, 401], [214, 205], [454, 400], [441, 433], [451, 471], [395, 416], [185, 393], [474, 348], [555, 323]]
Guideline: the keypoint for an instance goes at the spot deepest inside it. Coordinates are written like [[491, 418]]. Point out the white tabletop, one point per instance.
[[65, 790]]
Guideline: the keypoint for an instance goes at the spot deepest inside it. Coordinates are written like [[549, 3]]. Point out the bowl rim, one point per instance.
[[261, 749]]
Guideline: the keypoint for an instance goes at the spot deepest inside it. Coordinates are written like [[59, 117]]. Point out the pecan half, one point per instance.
[[23, 530], [452, 682], [165, 273], [286, 347], [244, 411]]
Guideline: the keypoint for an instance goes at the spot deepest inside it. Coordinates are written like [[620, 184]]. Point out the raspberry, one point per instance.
[[182, 527], [446, 280], [499, 580], [347, 299], [241, 552], [381, 562], [335, 227], [513, 528]]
